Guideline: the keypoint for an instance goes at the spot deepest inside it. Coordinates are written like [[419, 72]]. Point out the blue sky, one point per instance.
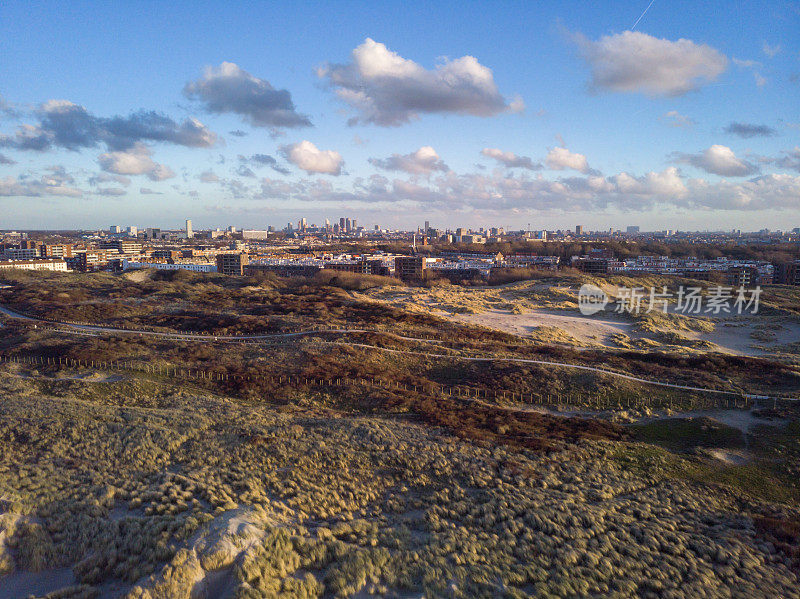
[[564, 114]]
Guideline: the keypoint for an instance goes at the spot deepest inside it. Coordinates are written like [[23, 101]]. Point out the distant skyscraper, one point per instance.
[[189, 231], [354, 225], [133, 231], [427, 227], [579, 230], [115, 229], [348, 225], [342, 224]]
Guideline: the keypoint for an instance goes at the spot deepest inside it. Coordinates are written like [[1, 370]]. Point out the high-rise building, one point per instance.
[[427, 227], [348, 225], [579, 230], [409, 267], [114, 229], [133, 231], [189, 231], [342, 224], [153, 233], [354, 224], [231, 264]]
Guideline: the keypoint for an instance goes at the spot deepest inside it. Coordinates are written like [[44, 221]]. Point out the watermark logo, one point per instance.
[[688, 300], [591, 299]]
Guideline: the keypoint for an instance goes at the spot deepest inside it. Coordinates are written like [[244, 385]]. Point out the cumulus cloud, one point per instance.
[[208, 177], [136, 161], [748, 130], [6, 160], [789, 160], [261, 160], [48, 185], [559, 159], [228, 88], [719, 160], [388, 90], [422, 162], [632, 61], [7, 109], [511, 160], [67, 125], [501, 192], [308, 157], [100, 178], [110, 191], [245, 171], [675, 119]]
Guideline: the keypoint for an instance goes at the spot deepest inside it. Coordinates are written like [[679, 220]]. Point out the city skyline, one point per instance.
[[664, 116]]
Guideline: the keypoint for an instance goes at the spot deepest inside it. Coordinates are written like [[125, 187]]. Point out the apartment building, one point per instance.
[[232, 264], [409, 268], [57, 265]]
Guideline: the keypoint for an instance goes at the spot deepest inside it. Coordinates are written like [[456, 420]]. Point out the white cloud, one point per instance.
[[719, 160], [771, 51], [559, 159], [632, 61], [789, 160], [308, 157], [676, 119], [511, 160], [502, 192], [422, 162], [68, 125], [228, 88], [135, 161], [47, 186], [208, 177], [388, 90]]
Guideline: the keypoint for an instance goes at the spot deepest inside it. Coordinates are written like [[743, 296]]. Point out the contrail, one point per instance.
[[643, 14]]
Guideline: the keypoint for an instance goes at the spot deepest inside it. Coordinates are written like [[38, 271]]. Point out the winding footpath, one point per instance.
[[83, 329]]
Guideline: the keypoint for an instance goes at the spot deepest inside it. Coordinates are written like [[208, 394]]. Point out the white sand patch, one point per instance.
[[589, 330], [731, 334], [737, 458]]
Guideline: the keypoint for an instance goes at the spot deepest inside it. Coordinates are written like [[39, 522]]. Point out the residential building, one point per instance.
[[21, 253], [787, 273], [56, 250], [127, 265], [57, 265], [231, 264], [742, 276], [409, 268], [252, 234]]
